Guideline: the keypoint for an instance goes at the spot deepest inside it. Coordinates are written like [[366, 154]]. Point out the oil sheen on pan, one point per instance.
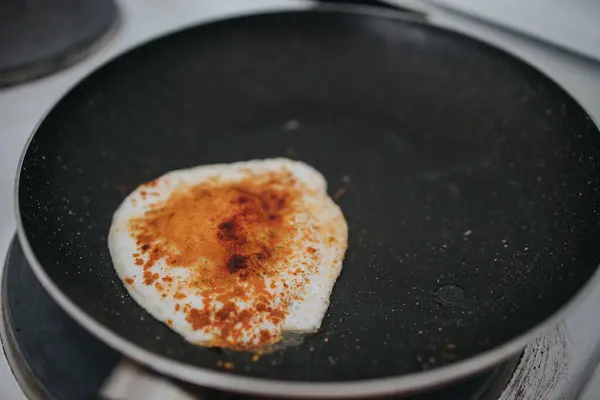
[[232, 255]]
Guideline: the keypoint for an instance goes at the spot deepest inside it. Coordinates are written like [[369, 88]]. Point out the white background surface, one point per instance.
[[568, 23], [23, 106]]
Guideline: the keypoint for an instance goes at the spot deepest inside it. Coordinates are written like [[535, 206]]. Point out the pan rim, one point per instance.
[[402, 384]]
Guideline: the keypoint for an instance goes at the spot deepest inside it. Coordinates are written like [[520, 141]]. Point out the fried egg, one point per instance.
[[232, 255]]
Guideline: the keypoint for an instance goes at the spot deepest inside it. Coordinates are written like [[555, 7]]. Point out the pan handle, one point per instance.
[[413, 8], [130, 381]]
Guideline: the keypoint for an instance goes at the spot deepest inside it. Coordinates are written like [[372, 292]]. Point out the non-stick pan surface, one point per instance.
[[470, 185]]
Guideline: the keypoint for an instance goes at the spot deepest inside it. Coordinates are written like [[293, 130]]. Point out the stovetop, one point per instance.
[[54, 358], [555, 366]]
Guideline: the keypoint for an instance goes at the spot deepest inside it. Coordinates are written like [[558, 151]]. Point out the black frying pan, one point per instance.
[[473, 203]]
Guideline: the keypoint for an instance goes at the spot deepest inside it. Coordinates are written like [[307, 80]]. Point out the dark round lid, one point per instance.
[[38, 38]]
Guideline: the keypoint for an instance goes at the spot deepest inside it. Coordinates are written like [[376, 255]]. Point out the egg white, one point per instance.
[[328, 236]]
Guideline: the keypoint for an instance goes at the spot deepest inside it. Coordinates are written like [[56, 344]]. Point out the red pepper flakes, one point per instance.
[[149, 277], [198, 319], [179, 296], [242, 229]]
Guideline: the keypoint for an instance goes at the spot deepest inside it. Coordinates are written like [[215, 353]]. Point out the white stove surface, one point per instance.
[[552, 21], [556, 366]]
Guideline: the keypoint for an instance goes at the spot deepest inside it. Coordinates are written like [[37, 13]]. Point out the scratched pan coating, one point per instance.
[[472, 200]]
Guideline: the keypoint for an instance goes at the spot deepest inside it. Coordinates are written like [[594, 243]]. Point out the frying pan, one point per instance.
[[470, 186]]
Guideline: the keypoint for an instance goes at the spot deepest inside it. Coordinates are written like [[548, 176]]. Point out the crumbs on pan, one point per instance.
[[227, 365]]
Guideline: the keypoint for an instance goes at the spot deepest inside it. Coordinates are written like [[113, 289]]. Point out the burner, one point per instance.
[[39, 37], [52, 357]]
